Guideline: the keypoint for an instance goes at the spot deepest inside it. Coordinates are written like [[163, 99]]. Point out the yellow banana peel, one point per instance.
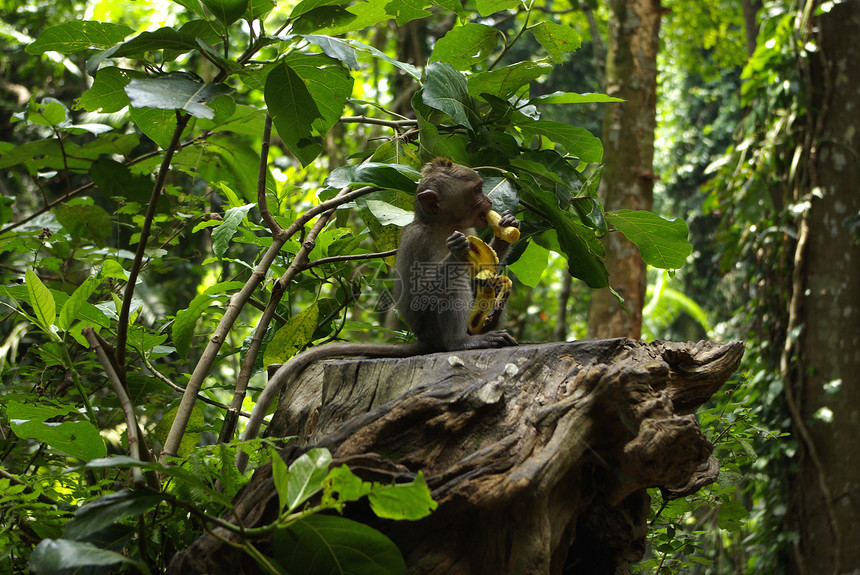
[[491, 289]]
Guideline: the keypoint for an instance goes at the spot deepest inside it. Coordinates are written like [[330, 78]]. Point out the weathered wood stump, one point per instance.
[[539, 455]]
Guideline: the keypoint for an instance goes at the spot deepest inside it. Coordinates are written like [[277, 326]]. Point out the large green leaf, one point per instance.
[[467, 45], [557, 39], [51, 154], [41, 299], [387, 176], [227, 11], [107, 94], [77, 35], [292, 336], [328, 83], [531, 264], [161, 39], [445, 90], [303, 479], [410, 501], [293, 112], [507, 81], [78, 439], [63, 556], [326, 545], [489, 7], [176, 91], [71, 309], [84, 220], [662, 243], [578, 142], [99, 513], [573, 98], [186, 319]]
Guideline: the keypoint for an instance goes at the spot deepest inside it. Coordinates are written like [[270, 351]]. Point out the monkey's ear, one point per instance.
[[429, 201]]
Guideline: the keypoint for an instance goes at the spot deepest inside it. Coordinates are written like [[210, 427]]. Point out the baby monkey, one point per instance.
[[432, 287]]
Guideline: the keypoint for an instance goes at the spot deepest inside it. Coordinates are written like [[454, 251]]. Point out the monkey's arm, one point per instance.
[[297, 364]]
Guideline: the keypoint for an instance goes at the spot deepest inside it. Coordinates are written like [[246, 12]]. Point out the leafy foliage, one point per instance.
[[183, 221]]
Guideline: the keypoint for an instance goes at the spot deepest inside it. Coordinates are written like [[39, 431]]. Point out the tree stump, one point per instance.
[[538, 455]]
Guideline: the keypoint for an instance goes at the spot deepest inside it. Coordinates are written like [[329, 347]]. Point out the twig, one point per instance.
[[122, 323], [395, 124], [349, 257], [134, 440]]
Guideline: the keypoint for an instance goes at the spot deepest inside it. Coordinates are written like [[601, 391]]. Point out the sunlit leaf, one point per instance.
[[176, 91], [467, 45], [292, 336], [77, 35], [662, 243], [62, 555], [41, 299]]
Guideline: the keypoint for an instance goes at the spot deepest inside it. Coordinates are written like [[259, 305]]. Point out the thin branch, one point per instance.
[[395, 124], [135, 442], [261, 179], [122, 323], [349, 257], [166, 380]]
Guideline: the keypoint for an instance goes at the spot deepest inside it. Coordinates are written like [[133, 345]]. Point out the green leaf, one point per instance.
[[61, 555], [107, 93], [293, 112], [306, 6], [387, 176], [41, 299], [466, 46], [71, 37], [222, 235], [156, 124], [590, 212], [445, 90], [324, 545], [489, 7], [335, 48], [531, 264], [578, 142], [186, 319], [196, 426], [573, 98], [403, 66], [386, 214], [405, 11], [347, 485], [410, 501], [732, 514], [328, 83], [49, 112], [557, 39], [99, 513], [305, 478], [227, 11], [176, 91], [292, 336], [662, 243], [72, 307], [507, 81], [78, 439], [84, 220], [161, 39]]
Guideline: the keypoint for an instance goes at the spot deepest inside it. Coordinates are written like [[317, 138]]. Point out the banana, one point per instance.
[[509, 234], [491, 289]]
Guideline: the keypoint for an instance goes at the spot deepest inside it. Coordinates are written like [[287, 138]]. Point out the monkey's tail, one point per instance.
[[298, 363]]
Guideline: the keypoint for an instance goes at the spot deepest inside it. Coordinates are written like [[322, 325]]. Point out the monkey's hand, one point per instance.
[[499, 338], [509, 220], [459, 245]]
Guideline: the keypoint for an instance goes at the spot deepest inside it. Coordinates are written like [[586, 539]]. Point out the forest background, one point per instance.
[[739, 119]]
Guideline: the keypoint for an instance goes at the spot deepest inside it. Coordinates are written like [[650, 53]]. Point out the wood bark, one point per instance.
[[539, 455], [826, 361], [628, 141]]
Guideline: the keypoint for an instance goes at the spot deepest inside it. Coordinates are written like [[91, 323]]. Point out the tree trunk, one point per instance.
[[539, 455], [628, 142], [826, 379]]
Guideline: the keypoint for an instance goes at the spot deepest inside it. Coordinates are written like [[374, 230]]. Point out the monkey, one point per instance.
[[432, 288]]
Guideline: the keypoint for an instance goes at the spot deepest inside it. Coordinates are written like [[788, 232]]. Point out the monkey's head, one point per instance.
[[451, 195]]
